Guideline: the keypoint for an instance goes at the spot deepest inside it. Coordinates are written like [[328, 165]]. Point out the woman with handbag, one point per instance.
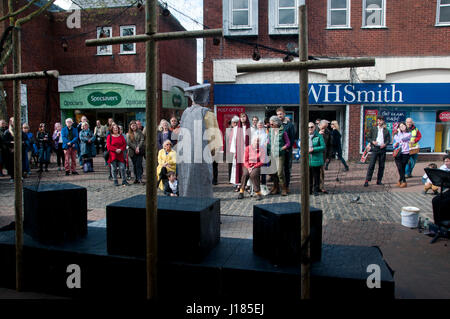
[[401, 143], [87, 147], [116, 145]]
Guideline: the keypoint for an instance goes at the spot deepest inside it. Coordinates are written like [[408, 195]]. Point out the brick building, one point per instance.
[[408, 38], [100, 82]]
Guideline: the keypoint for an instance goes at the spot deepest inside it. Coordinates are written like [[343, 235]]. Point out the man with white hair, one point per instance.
[[69, 136], [413, 146]]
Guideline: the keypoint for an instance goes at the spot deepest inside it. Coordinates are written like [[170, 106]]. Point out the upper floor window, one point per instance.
[[240, 13], [374, 13], [104, 32], [240, 17], [283, 16], [443, 12], [287, 13], [338, 14], [127, 48]]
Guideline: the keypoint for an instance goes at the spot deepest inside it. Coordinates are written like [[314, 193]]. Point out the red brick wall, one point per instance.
[[42, 50], [354, 136]]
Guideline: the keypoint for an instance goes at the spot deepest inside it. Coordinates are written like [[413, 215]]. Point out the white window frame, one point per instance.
[[121, 34], [239, 30], [383, 15], [277, 22], [108, 47], [347, 9], [438, 14], [249, 11]]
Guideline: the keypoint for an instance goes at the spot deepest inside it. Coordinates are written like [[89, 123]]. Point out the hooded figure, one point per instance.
[[198, 138]]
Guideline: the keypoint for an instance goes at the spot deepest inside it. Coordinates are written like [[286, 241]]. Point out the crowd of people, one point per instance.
[[252, 151]]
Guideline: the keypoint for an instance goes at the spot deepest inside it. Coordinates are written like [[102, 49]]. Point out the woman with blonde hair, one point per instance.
[[164, 133], [136, 150], [336, 145], [166, 163]]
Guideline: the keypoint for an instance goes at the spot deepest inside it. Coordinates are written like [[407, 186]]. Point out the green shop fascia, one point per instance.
[[115, 97]]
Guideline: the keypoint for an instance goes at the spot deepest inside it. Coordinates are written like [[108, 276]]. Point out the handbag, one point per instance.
[[414, 150], [106, 153], [395, 152]]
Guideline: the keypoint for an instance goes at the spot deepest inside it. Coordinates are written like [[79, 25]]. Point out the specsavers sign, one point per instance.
[[103, 95]]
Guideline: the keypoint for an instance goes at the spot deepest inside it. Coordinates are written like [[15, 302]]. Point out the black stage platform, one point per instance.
[[231, 270]]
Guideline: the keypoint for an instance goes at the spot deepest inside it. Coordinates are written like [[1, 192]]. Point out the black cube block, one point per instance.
[[55, 213], [277, 232], [188, 228]]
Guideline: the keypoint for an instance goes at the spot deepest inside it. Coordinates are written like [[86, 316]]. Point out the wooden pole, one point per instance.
[[151, 155], [17, 160], [304, 149], [156, 37], [302, 65], [29, 75]]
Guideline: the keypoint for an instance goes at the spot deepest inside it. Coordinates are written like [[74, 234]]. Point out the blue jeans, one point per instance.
[[411, 163]]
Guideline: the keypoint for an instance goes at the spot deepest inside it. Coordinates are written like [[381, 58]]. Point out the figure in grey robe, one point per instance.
[[199, 135]]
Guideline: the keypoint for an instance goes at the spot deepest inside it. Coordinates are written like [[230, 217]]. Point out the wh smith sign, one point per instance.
[[333, 93]]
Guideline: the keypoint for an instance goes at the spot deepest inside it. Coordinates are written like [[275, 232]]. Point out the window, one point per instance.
[[104, 32], [283, 16], [240, 13], [287, 13], [374, 13], [127, 48], [443, 12], [338, 14], [240, 17]]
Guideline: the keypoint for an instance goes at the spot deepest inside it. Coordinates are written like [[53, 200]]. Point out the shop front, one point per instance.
[[428, 104], [121, 97]]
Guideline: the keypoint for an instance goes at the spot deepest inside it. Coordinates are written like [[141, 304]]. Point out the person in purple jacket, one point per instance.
[[401, 140]]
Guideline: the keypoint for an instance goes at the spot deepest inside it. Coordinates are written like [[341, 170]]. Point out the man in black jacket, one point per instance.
[[326, 134], [290, 130], [378, 139]]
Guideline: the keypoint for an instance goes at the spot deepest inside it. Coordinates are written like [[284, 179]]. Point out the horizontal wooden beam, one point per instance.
[[29, 75], [314, 64], [157, 37]]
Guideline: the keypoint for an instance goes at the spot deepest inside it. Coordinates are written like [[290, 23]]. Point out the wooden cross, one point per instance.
[[304, 65], [16, 76], [151, 37]]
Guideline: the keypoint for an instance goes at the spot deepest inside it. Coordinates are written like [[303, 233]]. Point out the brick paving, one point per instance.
[[373, 220]]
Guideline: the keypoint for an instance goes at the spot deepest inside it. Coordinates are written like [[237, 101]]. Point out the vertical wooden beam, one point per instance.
[[304, 138], [151, 18], [17, 159]]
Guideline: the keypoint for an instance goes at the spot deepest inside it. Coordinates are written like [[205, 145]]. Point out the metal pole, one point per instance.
[[304, 163], [151, 10], [17, 160], [291, 66]]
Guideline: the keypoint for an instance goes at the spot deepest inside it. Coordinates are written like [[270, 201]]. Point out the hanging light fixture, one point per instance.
[[64, 44], [165, 11], [256, 56], [216, 41], [288, 58]]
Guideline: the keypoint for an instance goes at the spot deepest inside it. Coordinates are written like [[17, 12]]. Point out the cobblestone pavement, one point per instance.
[[373, 220], [382, 204]]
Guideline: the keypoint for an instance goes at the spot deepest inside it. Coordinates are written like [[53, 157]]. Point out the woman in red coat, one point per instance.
[[116, 146]]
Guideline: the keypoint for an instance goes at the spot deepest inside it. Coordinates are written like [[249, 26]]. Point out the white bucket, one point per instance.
[[410, 216]]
